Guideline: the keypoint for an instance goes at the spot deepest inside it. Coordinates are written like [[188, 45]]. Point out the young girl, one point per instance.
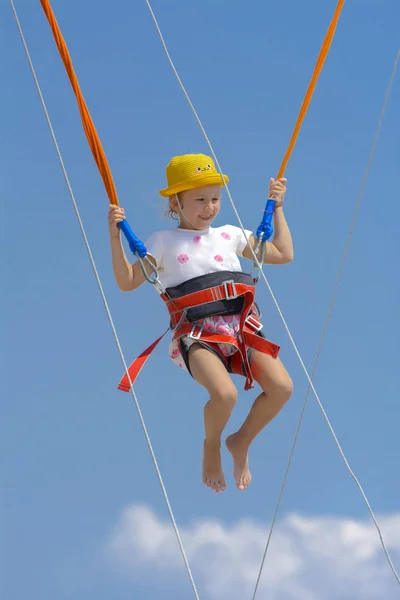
[[185, 256]]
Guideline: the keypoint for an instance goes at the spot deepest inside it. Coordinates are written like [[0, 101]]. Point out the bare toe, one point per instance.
[[239, 453], [213, 476]]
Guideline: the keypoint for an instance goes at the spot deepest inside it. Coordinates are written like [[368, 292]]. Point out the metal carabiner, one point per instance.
[[183, 317], [256, 266], [154, 278]]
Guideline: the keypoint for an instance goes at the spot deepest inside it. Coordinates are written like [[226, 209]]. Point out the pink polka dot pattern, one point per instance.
[[183, 258], [197, 238], [218, 258], [226, 235]]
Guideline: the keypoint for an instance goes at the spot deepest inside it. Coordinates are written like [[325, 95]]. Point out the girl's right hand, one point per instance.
[[116, 214]]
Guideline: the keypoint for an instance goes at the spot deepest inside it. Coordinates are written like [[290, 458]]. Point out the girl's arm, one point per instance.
[[128, 277], [280, 250]]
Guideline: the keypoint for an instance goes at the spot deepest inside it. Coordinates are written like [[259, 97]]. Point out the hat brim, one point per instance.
[[195, 182]]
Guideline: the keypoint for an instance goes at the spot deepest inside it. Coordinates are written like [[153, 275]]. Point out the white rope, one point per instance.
[[164, 491], [327, 319], [311, 385]]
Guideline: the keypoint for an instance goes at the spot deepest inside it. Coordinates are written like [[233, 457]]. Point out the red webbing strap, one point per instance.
[[251, 339], [209, 337], [248, 303], [248, 338], [206, 296], [137, 365], [261, 344]]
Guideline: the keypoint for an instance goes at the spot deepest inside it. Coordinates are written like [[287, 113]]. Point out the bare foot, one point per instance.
[[239, 453], [213, 476]]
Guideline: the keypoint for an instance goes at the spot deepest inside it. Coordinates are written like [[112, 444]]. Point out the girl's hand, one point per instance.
[[277, 190], [116, 214]]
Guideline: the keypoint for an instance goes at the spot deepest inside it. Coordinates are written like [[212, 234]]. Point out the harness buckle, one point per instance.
[[228, 295], [196, 336], [254, 323]]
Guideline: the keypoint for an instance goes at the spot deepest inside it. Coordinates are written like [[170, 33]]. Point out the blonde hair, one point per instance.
[[170, 212]]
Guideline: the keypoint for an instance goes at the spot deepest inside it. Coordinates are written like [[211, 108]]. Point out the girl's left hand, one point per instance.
[[277, 190]]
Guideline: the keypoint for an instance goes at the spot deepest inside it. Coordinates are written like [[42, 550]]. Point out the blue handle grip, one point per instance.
[[265, 229], [135, 244]]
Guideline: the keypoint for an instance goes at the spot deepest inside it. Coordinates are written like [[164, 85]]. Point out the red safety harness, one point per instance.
[[249, 336]]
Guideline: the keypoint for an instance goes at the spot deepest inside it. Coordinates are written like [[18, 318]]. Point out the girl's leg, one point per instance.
[[209, 372], [276, 388]]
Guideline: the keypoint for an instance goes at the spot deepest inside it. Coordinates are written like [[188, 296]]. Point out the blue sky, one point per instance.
[[80, 497]]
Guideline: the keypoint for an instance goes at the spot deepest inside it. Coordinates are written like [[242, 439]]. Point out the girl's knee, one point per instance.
[[281, 387], [285, 387], [226, 395]]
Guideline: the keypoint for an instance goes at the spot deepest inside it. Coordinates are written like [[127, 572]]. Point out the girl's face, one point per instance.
[[198, 207]]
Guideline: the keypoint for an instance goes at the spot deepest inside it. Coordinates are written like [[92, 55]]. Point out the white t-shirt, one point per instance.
[[182, 254]]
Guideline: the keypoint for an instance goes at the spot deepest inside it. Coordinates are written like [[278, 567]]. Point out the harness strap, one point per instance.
[[229, 290], [247, 337], [137, 365], [250, 339], [248, 293]]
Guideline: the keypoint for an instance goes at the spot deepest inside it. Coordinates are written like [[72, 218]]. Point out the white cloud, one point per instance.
[[313, 558]]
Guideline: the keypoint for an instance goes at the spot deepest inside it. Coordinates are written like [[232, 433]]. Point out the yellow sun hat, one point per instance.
[[191, 171]]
